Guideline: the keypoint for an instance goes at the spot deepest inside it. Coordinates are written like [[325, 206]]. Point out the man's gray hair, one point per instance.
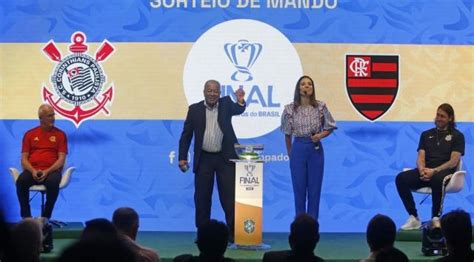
[[212, 81]]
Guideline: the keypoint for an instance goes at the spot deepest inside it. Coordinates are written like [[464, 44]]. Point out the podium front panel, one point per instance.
[[248, 202]]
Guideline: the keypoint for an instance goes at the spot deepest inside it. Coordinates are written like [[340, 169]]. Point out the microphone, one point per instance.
[[184, 168], [40, 173], [317, 145]]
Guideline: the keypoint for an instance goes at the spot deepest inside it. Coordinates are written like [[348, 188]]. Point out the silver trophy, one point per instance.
[[242, 55], [249, 152]]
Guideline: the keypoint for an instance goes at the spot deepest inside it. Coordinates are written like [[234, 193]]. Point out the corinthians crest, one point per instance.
[[78, 80]]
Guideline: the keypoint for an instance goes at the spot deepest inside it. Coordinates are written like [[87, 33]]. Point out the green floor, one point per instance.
[[332, 246]]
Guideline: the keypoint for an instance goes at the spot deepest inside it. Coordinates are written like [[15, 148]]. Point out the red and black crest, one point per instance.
[[372, 83]]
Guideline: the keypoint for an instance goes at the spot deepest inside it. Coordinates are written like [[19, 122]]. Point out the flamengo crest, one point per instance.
[[372, 83], [78, 80]]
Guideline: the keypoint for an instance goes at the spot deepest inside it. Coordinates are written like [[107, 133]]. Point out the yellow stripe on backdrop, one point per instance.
[[149, 84]]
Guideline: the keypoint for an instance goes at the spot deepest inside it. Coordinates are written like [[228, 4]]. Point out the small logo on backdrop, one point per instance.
[[249, 226], [372, 83], [242, 55], [78, 80]]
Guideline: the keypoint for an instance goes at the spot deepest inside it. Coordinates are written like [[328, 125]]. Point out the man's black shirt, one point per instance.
[[438, 145]]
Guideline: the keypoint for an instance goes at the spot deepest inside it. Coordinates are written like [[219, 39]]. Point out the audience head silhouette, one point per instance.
[[26, 240], [212, 238], [98, 250], [457, 230], [126, 221], [304, 234], [5, 243], [99, 228], [99, 242], [381, 232]]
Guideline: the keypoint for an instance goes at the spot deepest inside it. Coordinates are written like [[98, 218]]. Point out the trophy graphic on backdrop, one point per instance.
[[242, 55]]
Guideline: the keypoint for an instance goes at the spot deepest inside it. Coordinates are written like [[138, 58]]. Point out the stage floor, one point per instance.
[[332, 246]]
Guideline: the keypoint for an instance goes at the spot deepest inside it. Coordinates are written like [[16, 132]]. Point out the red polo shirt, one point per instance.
[[43, 146]]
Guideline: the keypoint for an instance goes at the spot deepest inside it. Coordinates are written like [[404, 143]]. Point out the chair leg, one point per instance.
[[31, 198], [58, 223], [42, 203], [422, 201]]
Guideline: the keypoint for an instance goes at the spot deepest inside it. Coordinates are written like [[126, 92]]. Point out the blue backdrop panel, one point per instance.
[[352, 21], [133, 163]]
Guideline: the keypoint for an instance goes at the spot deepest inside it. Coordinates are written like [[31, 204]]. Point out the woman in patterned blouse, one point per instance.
[[307, 120]]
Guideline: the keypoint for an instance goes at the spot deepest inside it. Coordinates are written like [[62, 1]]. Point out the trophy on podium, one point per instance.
[[249, 152], [248, 197]]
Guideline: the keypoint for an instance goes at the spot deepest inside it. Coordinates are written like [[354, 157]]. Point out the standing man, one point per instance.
[[439, 152], [43, 155], [210, 121]]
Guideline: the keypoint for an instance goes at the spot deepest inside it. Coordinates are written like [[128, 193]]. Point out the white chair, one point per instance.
[[453, 183], [65, 179]]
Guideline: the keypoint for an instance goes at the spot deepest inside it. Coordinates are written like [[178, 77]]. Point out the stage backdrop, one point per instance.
[[121, 75]]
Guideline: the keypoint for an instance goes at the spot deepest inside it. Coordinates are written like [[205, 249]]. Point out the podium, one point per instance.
[[248, 198]]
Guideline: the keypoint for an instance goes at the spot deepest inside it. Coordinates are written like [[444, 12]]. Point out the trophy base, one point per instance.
[[249, 247]]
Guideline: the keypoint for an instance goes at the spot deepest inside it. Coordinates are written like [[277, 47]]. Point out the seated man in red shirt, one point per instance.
[[43, 155]]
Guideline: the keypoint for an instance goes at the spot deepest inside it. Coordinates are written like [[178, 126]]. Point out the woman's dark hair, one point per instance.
[[297, 96], [448, 109]]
